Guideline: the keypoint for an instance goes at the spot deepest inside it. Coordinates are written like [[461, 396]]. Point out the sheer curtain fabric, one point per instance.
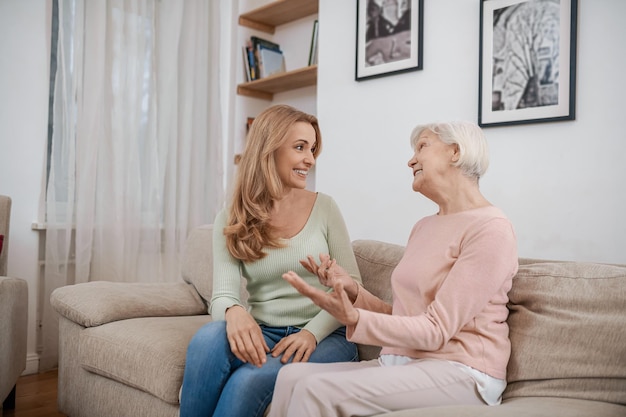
[[138, 137]]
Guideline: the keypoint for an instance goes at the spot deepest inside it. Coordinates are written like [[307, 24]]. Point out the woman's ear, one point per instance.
[[456, 155]]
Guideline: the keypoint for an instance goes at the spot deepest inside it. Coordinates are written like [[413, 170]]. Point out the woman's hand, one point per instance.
[[299, 345], [335, 302], [328, 272], [245, 337]]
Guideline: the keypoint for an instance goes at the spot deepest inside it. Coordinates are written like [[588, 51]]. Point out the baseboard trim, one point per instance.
[[32, 364]]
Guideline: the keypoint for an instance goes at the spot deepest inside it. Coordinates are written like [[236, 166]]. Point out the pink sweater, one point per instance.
[[449, 293]]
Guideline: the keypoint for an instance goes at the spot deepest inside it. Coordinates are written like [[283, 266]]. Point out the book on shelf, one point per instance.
[[256, 42], [270, 62], [246, 65], [251, 62], [264, 58], [313, 49]]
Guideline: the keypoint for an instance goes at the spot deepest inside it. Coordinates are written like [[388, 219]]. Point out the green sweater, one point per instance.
[[272, 300]]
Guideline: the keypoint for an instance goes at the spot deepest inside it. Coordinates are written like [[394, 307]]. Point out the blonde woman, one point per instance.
[[271, 223]]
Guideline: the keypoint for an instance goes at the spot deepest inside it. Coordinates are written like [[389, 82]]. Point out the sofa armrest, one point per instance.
[[13, 331], [95, 303]]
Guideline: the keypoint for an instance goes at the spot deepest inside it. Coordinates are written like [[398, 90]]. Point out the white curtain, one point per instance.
[[141, 108]]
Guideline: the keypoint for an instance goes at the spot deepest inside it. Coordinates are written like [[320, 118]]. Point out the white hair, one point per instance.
[[473, 150]]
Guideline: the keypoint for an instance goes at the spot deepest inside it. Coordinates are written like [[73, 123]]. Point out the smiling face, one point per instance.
[[294, 158], [431, 162]]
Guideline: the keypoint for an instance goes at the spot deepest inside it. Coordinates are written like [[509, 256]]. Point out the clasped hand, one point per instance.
[[337, 302], [248, 344]]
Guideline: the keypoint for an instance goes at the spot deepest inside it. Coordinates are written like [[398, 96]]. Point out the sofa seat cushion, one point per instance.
[[145, 353], [567, 331], [522, 407]]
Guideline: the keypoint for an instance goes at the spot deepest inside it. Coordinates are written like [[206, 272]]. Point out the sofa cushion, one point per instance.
[[376, 261], [197, 263], [94, 303], [145, 353], [521, 407], [567, 331]]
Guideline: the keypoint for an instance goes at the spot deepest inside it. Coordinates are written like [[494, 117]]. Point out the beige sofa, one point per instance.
[[122, 346], [13, 316]]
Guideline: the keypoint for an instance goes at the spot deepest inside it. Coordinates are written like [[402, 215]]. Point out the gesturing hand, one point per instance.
[[335, 302], [328, 272], [245, 337], [297, 345]]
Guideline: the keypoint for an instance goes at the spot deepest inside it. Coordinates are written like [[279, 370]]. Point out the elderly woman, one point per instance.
[[445, 338]]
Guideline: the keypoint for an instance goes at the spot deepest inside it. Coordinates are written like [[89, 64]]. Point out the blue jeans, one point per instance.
[[216, 383]]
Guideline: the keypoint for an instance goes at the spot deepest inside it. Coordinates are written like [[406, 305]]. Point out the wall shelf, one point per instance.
[[265, 88], [265, 19], [279, 12]]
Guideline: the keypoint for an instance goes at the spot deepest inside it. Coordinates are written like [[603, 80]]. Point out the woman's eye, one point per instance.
[[299, 147]]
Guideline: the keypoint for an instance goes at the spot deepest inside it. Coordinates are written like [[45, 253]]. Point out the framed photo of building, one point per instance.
[[527, 62], [388, 37]]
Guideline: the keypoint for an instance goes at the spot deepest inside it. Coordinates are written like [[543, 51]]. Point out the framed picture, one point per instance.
[[388, 37], [527, 61]]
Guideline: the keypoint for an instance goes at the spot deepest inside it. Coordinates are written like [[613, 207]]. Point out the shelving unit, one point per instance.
[[265, 19], [265, 88]]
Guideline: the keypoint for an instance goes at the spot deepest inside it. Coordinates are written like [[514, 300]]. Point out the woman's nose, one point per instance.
[[309, 159]]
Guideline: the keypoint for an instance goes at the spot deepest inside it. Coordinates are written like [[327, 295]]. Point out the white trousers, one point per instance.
[[366, 388]]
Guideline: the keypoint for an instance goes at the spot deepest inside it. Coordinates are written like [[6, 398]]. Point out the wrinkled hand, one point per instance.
[[245, 337], [299, 345], [328, 272], [335, 302]]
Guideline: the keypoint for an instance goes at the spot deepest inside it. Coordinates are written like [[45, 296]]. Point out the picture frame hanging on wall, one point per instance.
[[389, 37], [527, 61]]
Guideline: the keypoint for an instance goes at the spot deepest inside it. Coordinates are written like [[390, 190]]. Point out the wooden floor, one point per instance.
[[36, 396]]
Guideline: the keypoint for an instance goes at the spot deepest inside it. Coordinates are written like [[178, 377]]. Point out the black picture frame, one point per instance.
[[527, 64], [391, 43]]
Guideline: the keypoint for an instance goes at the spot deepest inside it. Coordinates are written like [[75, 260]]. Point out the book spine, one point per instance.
[[313, 50], [259, 61], [252, 63], [246, 64]]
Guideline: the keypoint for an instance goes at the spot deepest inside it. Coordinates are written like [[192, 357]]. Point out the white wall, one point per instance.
[[561, 183], [24, 72]]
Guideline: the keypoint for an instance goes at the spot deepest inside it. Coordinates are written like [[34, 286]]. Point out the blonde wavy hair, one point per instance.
[[258, 185]]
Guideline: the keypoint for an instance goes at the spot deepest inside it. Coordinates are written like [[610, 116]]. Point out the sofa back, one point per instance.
[[197, 263], [567, 326], [376, 261]]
